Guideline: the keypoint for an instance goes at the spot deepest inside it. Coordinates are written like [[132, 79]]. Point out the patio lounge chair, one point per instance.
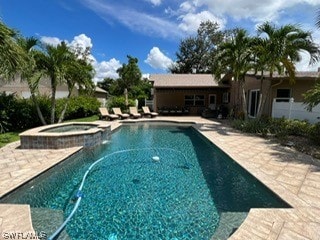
[[118, 112], [146, 112], [104, 114], [134, 112]]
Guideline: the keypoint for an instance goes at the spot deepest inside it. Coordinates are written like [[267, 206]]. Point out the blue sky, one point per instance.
[[147, 29]]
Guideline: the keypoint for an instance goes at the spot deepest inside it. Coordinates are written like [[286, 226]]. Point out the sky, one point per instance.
[[149, 30]]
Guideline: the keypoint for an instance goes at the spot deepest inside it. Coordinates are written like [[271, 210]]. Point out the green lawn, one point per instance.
[[9, 137], [86, 119]]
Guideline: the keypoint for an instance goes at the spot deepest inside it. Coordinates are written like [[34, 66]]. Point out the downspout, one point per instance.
[[270, 101]]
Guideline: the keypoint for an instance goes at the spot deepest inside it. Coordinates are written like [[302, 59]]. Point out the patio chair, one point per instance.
[[118, 112], [134, 112], [146, 112], [104, 114]]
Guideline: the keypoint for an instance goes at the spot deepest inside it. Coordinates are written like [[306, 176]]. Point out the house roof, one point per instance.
[[302, 74], [100, 90], [184, 81]]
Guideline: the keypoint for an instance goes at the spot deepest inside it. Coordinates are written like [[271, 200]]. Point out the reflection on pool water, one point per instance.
[[155, 182]]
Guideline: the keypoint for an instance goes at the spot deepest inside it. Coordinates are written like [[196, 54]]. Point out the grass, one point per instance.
[[10, 137], [86, 119]]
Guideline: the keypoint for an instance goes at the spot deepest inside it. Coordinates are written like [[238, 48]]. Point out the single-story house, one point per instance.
[[188, 93], [197, 92], [279, 92], [21, 89], [101, 95]]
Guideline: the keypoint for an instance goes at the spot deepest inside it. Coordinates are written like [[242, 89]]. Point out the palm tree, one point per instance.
[[235, 57], [279, 49], [29, 71], [10, 53], [54, 62], [79, 72]]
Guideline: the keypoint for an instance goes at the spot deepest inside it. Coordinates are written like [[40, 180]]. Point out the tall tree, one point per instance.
[[106, 84], [29, 71], [279, 49], [234, 57], [11, 55], [196, 52], [312, 96], [78, 72], [129, 74], [54, 63]]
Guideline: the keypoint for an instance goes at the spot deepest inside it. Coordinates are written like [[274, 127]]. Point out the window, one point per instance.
[[225, 97], [189, 100], [199, 100], [254, 96], [194, 100], [283, 94]]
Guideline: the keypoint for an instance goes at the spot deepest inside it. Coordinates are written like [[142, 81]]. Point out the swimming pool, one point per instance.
[[185, 193]]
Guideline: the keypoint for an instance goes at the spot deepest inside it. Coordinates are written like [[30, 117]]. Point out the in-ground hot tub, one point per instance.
[[65, 135]]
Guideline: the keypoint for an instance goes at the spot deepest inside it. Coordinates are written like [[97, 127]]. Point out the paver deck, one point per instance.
[[293, 176]]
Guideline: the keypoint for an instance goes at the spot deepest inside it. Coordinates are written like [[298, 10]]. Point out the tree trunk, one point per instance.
[[243, 96], [261, 98], [244, 102], [53, 100], [35, 101], [64, 108]]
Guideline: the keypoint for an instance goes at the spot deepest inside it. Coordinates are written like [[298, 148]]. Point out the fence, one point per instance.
[[148, 103], [286, 107]]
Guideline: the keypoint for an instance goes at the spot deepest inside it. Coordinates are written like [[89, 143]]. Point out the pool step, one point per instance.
[[229, 222], [48, 220]]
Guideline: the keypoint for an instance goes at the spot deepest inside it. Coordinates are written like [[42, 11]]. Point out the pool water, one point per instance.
[[154, 182], [70, 128]]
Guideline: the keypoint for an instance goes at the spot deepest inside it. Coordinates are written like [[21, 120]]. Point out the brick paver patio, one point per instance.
[[293, 176]]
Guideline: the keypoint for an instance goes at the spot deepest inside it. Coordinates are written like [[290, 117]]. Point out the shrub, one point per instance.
[[119, 102], [19, 114], [314, 133], [252, 126], [298, 128], [280, 127], [78, 107], [4, 121], [7, 108]]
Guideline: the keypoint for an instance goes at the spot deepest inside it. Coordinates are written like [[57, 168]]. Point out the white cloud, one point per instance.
[[253, 9], [106, 69], [304, 65], [103, 69], [82, 41], [190, 22], [187, 7], [135, 20], [155, 2], [158, 60], [146, 75], [54, 41]]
